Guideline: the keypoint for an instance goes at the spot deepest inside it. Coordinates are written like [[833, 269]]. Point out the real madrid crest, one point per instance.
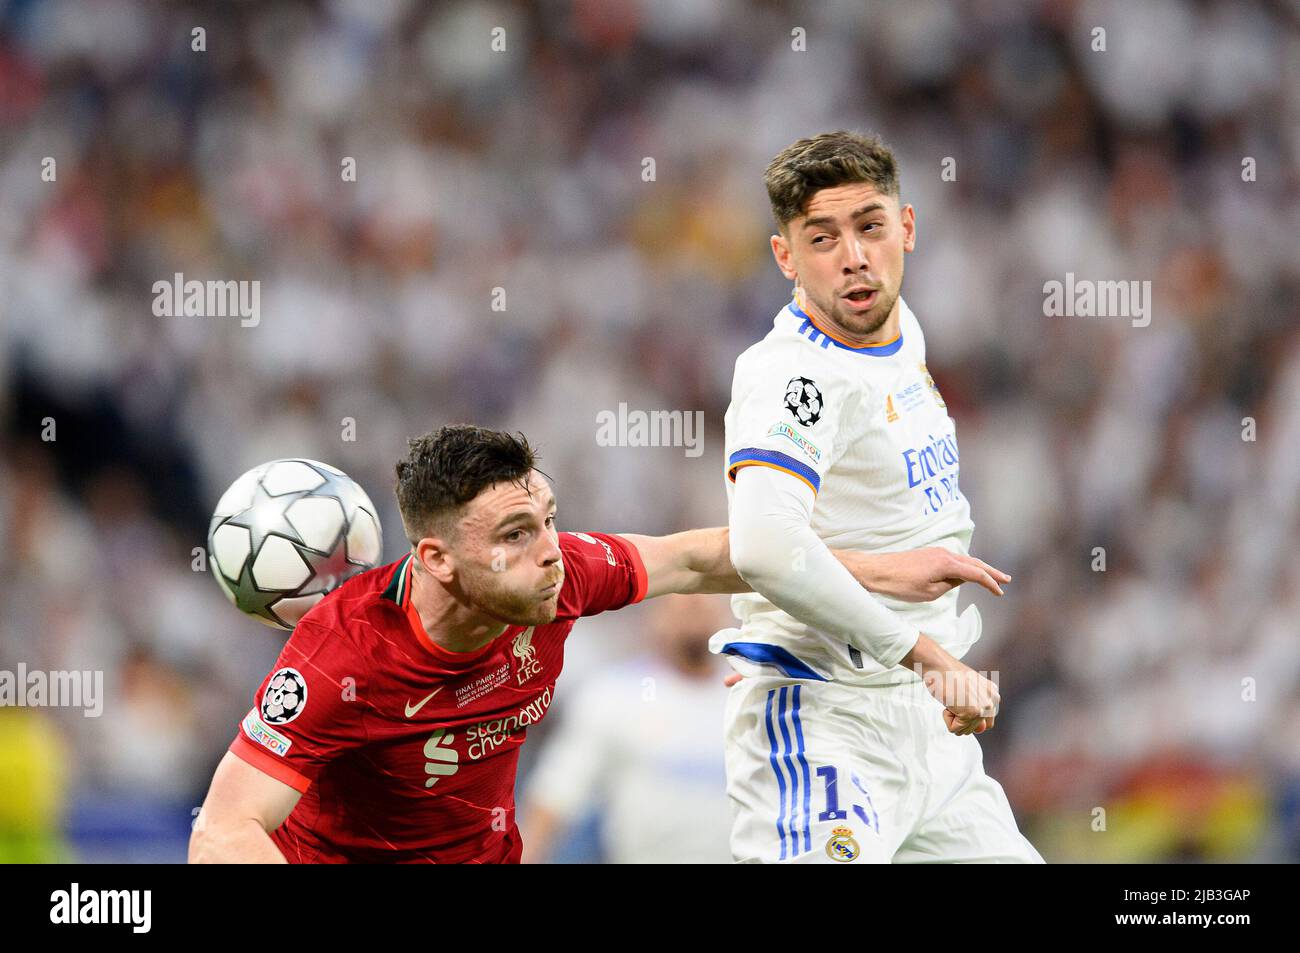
[[841, 846], [930, 382]]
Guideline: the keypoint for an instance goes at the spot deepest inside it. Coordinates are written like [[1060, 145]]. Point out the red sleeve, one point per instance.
[[601, 572], [304, 713]]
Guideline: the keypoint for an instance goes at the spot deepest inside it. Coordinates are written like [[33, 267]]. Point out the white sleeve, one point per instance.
[[787, 411], [775, 550]]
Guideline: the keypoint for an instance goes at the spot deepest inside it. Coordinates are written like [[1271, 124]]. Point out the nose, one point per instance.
[[550, 553], [857, 257]]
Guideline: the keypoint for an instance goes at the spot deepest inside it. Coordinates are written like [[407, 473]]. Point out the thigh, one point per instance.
[[802, 789], [967, 818]]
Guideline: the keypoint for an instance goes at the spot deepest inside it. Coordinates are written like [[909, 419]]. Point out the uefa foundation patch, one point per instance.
[[265, 735], [811, 450]]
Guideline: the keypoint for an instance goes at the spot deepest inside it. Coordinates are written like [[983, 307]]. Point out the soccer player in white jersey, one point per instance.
[[850, 736]]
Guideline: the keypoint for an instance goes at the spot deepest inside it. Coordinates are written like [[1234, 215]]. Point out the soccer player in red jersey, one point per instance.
[[390, 728]]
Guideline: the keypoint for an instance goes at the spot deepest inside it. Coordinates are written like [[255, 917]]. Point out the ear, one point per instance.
[[908, 215], [435, 558], [784, 257]]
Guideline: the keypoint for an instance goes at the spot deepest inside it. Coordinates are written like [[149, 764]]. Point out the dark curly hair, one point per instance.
[[445, 469]]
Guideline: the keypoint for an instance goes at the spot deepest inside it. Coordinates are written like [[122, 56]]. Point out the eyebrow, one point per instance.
[[827, 220]]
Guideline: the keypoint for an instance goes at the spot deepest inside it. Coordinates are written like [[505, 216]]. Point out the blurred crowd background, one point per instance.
[[1158, 699]]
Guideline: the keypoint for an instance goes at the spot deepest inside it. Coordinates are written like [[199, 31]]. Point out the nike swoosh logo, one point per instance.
[[412, 710]]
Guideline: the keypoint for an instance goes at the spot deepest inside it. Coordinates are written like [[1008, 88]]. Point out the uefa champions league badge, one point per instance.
[[285, 697], [841, 846], [803, 399]]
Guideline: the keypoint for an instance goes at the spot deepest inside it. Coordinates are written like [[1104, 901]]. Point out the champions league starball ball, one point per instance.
[[286, 534]]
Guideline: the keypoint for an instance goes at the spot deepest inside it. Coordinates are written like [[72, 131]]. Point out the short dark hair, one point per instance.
[[445, 469], [823, 162]]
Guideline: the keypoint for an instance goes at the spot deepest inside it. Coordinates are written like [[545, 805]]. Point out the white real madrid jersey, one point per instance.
[[866, 428]]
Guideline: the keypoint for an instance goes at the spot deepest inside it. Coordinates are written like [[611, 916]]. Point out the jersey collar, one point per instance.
[[399, 592], [399, 584], [814, 331]]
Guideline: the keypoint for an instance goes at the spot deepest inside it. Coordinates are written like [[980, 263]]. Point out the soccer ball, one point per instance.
[[286, 534]]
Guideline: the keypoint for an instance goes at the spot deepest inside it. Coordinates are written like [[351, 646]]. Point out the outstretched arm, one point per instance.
[[695, 561], [919, 575], [699, 560]]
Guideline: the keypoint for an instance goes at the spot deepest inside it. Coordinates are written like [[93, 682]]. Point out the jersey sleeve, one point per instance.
[[601, 572], [306, 712], [789, 413]]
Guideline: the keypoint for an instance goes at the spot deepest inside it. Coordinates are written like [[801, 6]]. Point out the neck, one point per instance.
[[882, 335], [449, 622]]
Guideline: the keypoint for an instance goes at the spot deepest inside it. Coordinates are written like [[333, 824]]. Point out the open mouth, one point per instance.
[[862, 298]]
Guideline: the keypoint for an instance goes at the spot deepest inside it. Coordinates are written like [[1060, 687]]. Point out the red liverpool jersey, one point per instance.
[[405, 751]]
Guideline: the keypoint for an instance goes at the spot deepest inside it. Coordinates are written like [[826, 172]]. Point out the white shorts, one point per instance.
[[819, 772]]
